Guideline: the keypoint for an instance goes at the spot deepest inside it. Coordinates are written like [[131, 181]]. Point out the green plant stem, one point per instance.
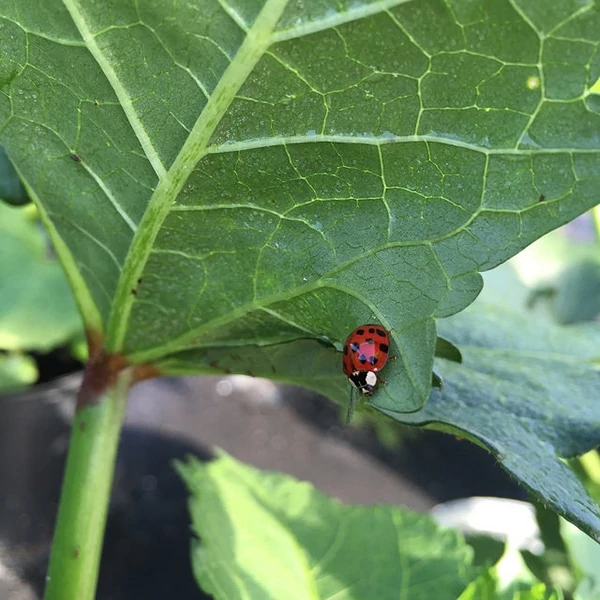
[[77, 544]]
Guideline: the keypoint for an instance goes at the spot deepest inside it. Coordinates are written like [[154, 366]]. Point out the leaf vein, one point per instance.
[[111, 75]]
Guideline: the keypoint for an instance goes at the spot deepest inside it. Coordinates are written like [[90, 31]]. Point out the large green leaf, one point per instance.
[[527, 390], [266, 536], [249, 173]]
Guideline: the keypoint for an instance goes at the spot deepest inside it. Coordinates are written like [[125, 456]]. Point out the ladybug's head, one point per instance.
[[365, 381]]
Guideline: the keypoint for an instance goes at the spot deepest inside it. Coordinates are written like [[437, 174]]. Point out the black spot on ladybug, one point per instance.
[[369, 341], [75, 157], [380, 332], [354, 347], [362, 359], [371, 329], [373, 360], [384, 348], [360, 332], [541, 198]]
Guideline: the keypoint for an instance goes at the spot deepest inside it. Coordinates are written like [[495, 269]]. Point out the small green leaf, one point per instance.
[[37, 311], [446, 349], [585, 556], [266, 536], [16, 371], [483, 588], [516, 582], [486, 587]]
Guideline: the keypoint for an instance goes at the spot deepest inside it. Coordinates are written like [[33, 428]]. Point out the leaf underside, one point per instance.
[[234, 174]]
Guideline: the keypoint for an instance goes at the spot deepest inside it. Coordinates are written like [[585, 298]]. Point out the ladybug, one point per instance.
[[365, 352]]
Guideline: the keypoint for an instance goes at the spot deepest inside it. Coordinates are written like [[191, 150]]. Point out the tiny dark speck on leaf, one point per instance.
[[76, 552], [139, 280], [541, 198], [75, 157], [134, 292]]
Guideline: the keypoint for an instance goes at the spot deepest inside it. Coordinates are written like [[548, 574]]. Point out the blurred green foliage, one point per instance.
[[37, 310]]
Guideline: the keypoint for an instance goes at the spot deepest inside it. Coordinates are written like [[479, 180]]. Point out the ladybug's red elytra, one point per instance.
[[365, 352]]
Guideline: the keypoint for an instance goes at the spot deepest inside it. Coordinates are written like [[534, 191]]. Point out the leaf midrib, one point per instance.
[[387, 139], [257, 40]]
